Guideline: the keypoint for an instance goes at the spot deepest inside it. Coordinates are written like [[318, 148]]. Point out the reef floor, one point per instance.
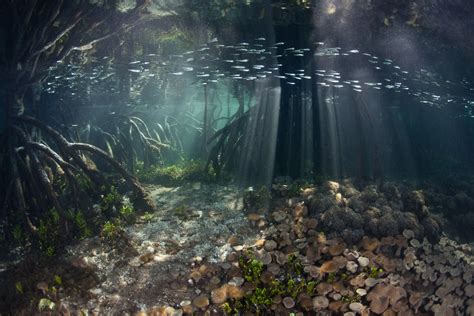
[[330, 249]]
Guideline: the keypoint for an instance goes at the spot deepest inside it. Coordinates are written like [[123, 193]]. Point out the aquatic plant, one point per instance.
[[111, 230], [251, 268], [292, 283], [177, 174]]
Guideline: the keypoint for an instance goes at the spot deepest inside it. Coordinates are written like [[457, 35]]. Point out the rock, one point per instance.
[[361, 292], [196, 276], [323, 288], [332, 186], [201, 301], [300, 210], [363, 261], [408, 234], [329, 267], [279, 216], [234, 292], [270, 245], [237, 281], [219, 295], [214, 280], [415, 202], [370, 282], [337, 249], [311, 223], [320, 302], [356, 307], [351, 266], [288, 302], [233, 240]]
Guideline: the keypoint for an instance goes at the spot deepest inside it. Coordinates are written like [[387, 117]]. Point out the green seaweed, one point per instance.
[[176, 174]]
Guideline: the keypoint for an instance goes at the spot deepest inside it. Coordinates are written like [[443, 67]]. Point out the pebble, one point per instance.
[[363, 261], [351, 266], [407, 233], [370, 282], [356, 307], [361, 292], [201, 301], [279, 216], [415, 243], [270, 245], [320, 302], [237, 281], [288, 302]]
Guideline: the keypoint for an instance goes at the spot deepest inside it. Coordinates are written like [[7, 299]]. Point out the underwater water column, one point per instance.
[[257, 159]]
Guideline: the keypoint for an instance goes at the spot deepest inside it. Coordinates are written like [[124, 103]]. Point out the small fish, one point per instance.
[[179, 73], [135, 70], [354, 51]]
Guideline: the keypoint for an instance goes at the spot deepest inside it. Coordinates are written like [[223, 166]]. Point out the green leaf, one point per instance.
[[45, 304], [19, 287], [58, 280]]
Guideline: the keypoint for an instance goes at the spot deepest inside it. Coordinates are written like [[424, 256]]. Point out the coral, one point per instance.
[[414, 202]]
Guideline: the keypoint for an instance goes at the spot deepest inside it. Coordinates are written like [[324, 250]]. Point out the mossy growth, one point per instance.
[[82, 228], [176, 174], [293, 282], [373, 272], [111, 230], [331, 278], [127, 212], [295, 266], [351, 299], [147, 217], [251, 268], [111, 200], [295, 188], [48, 232]]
